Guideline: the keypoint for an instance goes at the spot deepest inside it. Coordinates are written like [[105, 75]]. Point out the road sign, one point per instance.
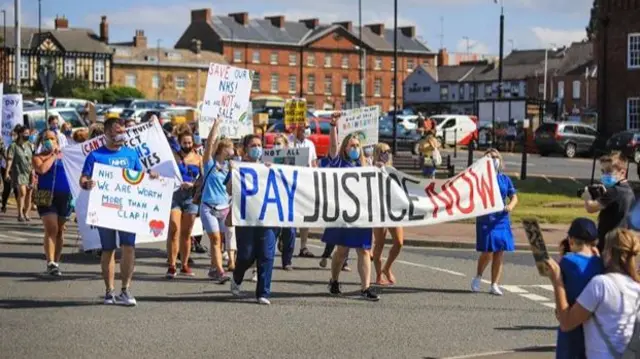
[[47, 76]]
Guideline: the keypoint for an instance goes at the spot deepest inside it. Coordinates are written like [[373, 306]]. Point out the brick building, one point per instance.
[[308, 59], [574, 79], [617, 48], [164, 74]]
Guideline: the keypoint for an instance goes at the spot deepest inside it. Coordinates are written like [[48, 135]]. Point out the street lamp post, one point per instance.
[[158, 69], [4, 46], [500, 70], [363, 74], [18, 50], [395, 77], [546, 70]]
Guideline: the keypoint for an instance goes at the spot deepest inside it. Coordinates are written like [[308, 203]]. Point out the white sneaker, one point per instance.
[[495, 289], [225, 257], [254, 276], [476, 282], [235, 288], [264, 301]]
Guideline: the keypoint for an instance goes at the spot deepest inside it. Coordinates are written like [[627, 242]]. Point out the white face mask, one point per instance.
[[278, 147], [307, 132]]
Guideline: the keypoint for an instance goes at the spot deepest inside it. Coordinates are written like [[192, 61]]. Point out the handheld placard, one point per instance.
[[538, 247]]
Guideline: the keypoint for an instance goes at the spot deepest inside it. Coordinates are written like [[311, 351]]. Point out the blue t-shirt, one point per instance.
[[337, 162], [215, 188], [577, 270], [507, 190], [61, 185], [125, 157]]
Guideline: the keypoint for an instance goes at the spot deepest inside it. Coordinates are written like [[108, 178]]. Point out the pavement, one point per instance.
[[429, 313]]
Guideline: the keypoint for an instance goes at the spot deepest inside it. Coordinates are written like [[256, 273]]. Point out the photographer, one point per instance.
[[613, 199]]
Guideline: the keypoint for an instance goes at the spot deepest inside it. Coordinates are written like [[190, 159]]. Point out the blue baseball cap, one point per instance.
[[583, 229]]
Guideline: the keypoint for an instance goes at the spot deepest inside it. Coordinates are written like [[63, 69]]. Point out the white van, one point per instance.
[[460, 129], [36, 118]]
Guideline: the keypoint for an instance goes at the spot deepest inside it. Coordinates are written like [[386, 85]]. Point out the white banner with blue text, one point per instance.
[[367, 197]]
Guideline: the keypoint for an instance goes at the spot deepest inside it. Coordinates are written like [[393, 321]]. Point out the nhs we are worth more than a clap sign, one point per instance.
[[364, 121], [286, 196], [227, 97], [129, 201]]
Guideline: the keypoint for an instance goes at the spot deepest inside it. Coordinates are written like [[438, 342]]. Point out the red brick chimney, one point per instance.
[[140, 40], [61, 22], [346, 24], [408, 31], [277, 21], [104, 29], [241, 18], [443, 57], [377, 29], [310, 23], [201, 15]]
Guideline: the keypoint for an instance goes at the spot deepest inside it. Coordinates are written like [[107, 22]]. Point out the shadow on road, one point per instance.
[[527, 327], [32, 304], [43, 277]]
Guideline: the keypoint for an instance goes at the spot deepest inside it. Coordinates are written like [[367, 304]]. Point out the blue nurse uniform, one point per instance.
[[493, 231]]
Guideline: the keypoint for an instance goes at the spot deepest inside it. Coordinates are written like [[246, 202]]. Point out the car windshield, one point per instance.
[[127, 113], [123, 103], [438, 119], [72, 117]]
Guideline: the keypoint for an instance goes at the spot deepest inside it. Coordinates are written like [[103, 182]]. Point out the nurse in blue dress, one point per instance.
[[348, 154], [493, 231]]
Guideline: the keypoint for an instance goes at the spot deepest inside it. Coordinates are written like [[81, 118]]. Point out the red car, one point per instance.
[[320, 128]]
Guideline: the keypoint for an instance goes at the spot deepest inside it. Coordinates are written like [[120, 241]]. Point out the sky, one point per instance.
[[439, 23]]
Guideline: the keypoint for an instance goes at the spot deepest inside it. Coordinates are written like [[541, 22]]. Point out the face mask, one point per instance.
[[197, 140], [237, 158], [68, 132], [186, 149], [354, 153], [120, 138], [278, 147], [608, 180], [255, 153], [307, 132], [384, 157], [54, 128], [368, 151], [496, 163], [26, 137], [33, 138], [48, 145]]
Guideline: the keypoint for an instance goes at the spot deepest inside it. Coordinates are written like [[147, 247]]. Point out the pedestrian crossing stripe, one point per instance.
[[524, 292]]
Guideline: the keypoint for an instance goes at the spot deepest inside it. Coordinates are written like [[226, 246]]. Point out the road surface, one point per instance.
[[430, 313]]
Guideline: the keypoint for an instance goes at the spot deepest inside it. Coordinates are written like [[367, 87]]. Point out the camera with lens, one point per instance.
[[595, 190]]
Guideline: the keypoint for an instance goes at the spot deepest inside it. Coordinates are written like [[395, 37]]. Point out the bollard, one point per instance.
[[444, 138], [593, 165], [470, 153], [452, 171], [523, 169], [448, 161], [455, 143]]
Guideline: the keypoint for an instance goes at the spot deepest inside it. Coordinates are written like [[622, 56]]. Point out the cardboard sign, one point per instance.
[[298, 156], [363, 121], [11, 116], [226, 97], [538, 247], [295, 112], [130, 201]]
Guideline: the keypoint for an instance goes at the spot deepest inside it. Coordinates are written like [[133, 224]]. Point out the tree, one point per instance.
[[111, 94], [592, 27]]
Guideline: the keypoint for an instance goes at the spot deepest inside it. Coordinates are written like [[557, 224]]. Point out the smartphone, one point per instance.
[[538, 247]]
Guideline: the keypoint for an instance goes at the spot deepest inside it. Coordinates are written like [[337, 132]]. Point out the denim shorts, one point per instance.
[[61, 205], [212, 219], [109, 242], [428, 172], [183, 200]]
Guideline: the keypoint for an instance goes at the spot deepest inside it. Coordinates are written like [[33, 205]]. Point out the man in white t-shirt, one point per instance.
[[301, 140], [54, 125]]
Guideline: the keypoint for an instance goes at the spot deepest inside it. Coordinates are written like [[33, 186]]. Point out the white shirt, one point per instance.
[[615, 309], [62, 139], [308, 144]]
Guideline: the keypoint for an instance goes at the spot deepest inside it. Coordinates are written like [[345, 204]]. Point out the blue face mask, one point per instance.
[[255, 153], [68, 132], [496, 164], [33, 138], [608, 180], [47, 145], [197, 140], [54, 128], [354, 153]]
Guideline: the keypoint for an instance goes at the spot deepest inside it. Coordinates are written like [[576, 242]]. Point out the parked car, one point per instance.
[[409, 122], [456, 129], [407, 140], [566, 138], [67, 102], [132, 114], [35, 118], [627, 142]]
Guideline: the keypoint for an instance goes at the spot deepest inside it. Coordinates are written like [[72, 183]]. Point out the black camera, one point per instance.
[[595, 190]]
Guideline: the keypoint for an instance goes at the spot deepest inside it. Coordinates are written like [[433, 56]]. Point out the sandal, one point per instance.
[[305, 253]]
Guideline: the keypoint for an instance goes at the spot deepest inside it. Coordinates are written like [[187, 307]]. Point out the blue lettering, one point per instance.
[[272, 186], [291, 191], [244, 191], [227, 86], [146, 151], [103, 186]]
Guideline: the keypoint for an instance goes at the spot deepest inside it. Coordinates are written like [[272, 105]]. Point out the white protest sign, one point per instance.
[[130, 201], [154, 151], [227, 97], [11, 115], [363, 120], [286, 196], [287, 156]]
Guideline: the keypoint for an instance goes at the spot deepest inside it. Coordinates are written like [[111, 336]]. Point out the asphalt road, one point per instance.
[[430, 313], [552, 166]]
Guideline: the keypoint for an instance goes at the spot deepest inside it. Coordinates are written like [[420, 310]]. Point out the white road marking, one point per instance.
[[550, 305], [548, 287], [27, 234], [430, 267], [535, 297], [513, 289], [12, 238]]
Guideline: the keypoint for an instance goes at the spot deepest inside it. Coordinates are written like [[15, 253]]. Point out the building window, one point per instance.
[[634, 51], [174, 56], [410, 65], [255, 83], [378, 63], [311, 84], [273, 58], [343, 86], [560, 89], [130, 80], [633, 113], [292, 83], [540, 88], [461, 91], [488, 90], [377, 87], [327, 60], [70, 68], [576, 90], [293, 59], [328, 85], [255, 57], [393, 64], [98, 71], [237, 55], [274, 82], [24, 67], [345, 61], [393, 89], [472, 89], [444, 92], [181, 82], [155, 81], [311, 60]]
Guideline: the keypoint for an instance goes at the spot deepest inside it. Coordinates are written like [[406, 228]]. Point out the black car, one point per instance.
[[566, 138], [627, 142], [406, 140]]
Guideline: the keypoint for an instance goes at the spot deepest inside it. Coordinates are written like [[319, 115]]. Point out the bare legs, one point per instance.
[[186, 226], [497, 261], [53, 237], [364, 265], [379, 234], [108, 264], [174, 237], [216, 251]]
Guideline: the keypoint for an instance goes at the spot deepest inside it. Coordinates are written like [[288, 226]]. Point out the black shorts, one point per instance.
[[60, 205]]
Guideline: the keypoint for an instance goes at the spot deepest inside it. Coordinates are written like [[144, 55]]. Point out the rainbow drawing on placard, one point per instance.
[[132, 177]]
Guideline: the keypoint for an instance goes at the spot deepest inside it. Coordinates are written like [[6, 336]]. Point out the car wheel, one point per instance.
[[636, 156], [570, 150]]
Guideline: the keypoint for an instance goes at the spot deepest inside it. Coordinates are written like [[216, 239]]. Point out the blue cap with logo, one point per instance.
[[583, 229]]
